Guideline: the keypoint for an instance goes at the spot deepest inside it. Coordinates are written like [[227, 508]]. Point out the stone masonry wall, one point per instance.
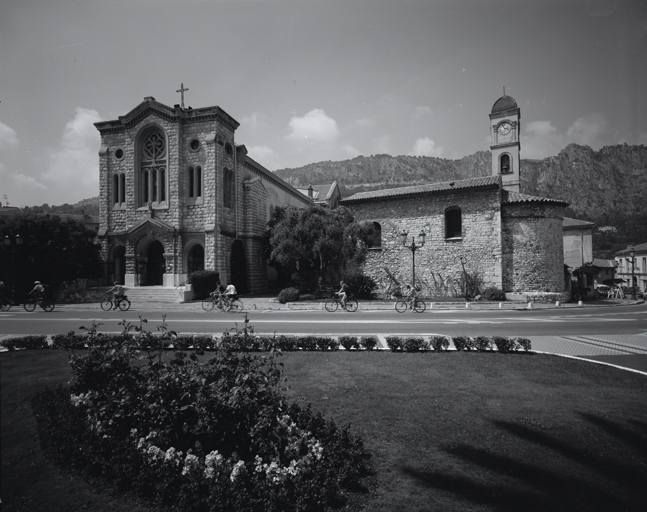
[[533, 248], [438, 263]]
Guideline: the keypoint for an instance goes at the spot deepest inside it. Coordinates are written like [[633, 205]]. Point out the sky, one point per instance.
[[314, 80]]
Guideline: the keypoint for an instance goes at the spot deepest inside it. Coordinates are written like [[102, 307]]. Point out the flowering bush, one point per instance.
[[213, 435]]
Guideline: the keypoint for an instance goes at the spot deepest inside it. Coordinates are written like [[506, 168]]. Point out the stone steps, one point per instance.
[[153, 294]]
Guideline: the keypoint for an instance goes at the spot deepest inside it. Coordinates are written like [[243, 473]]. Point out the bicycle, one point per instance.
[[119, 302], [5, 304], [45, 303], [415, 304], [221, 302], [335, 302]]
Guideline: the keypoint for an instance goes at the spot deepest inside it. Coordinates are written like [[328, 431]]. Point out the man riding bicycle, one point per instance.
[[38, 291], [343, 293], [117, 291], [230, 293], [411, 293]]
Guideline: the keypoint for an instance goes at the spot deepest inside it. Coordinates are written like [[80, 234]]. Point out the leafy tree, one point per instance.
[[313, 240], [53, 250]]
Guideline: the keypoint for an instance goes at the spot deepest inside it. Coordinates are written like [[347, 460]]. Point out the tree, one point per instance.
[[53, 250], [313, 240]]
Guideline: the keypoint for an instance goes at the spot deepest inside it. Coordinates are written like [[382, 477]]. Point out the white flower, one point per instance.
[[213, 459], [239, 468], [189, 462]]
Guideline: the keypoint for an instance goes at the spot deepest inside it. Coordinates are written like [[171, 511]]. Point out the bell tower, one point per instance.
[[505, 126]]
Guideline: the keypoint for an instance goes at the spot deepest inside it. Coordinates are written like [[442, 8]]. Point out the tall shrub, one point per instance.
[[203, 282]]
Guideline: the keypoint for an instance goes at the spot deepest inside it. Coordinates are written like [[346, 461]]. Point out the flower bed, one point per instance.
[[196, 435]]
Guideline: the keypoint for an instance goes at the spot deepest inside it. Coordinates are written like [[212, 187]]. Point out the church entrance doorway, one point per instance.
[[196, 259], [156, 264], [119, 262], [238, 266]]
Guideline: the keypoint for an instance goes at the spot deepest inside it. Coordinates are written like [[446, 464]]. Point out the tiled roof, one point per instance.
[[320, 192], [637, 248], [576, 223], [428, 188], [504, 103], [600, 263], [515, 197]]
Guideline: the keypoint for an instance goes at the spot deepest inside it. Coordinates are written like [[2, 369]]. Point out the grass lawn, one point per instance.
[[448, 432]]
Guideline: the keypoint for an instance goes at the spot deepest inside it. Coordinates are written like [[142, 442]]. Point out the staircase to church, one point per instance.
[[153, 295]]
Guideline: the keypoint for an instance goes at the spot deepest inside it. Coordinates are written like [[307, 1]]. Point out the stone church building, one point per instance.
[[473, 229], [178, 194]]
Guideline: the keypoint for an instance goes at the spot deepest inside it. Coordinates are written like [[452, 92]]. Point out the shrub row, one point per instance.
[[250, 343], [25, 342], [441, 343]]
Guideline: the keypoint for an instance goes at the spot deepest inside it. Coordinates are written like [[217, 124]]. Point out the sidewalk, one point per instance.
[[252, 303]]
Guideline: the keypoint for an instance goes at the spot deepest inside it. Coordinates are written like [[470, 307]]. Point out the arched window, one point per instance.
[[119, 189], [115, 189], [194, 183], [376, 238], [152, 168], [228, 188], [506, 168], [122, 188], [453, 222]]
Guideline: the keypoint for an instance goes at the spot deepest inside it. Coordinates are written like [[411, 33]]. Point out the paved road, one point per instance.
[[612, 332]]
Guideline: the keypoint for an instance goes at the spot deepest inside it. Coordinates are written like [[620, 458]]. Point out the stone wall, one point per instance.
[[439, 271], [533, 247]]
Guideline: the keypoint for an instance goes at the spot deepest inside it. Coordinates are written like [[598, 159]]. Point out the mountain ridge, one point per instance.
[[610, 181]]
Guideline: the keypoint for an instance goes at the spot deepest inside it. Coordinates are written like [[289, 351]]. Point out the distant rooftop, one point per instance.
[[576, 223]]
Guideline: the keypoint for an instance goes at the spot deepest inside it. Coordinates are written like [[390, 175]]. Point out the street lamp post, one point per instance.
[[632, 253], [413, 247], [17, 240]]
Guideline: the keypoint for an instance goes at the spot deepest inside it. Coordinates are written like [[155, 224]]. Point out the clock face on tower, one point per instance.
[[504, 128]]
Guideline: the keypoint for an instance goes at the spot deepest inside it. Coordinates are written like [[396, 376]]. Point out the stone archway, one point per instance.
[[155, 264], [239, 266]]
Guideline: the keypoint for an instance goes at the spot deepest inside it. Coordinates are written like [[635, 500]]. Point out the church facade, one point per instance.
[[178, 194], [480, 229]]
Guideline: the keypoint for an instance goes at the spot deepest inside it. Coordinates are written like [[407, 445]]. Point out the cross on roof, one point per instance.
[[181, 91]]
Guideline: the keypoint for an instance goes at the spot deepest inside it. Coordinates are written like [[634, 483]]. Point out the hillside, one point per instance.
[[613, 179], [608, 186]]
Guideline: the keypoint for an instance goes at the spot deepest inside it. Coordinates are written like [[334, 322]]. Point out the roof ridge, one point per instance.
[[426, 187]]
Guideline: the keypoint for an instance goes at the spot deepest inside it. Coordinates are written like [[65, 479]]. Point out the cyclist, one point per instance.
[[118, 292], [38, 291], [343, 293], [411, 293], [218, 293], [230, 293]]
